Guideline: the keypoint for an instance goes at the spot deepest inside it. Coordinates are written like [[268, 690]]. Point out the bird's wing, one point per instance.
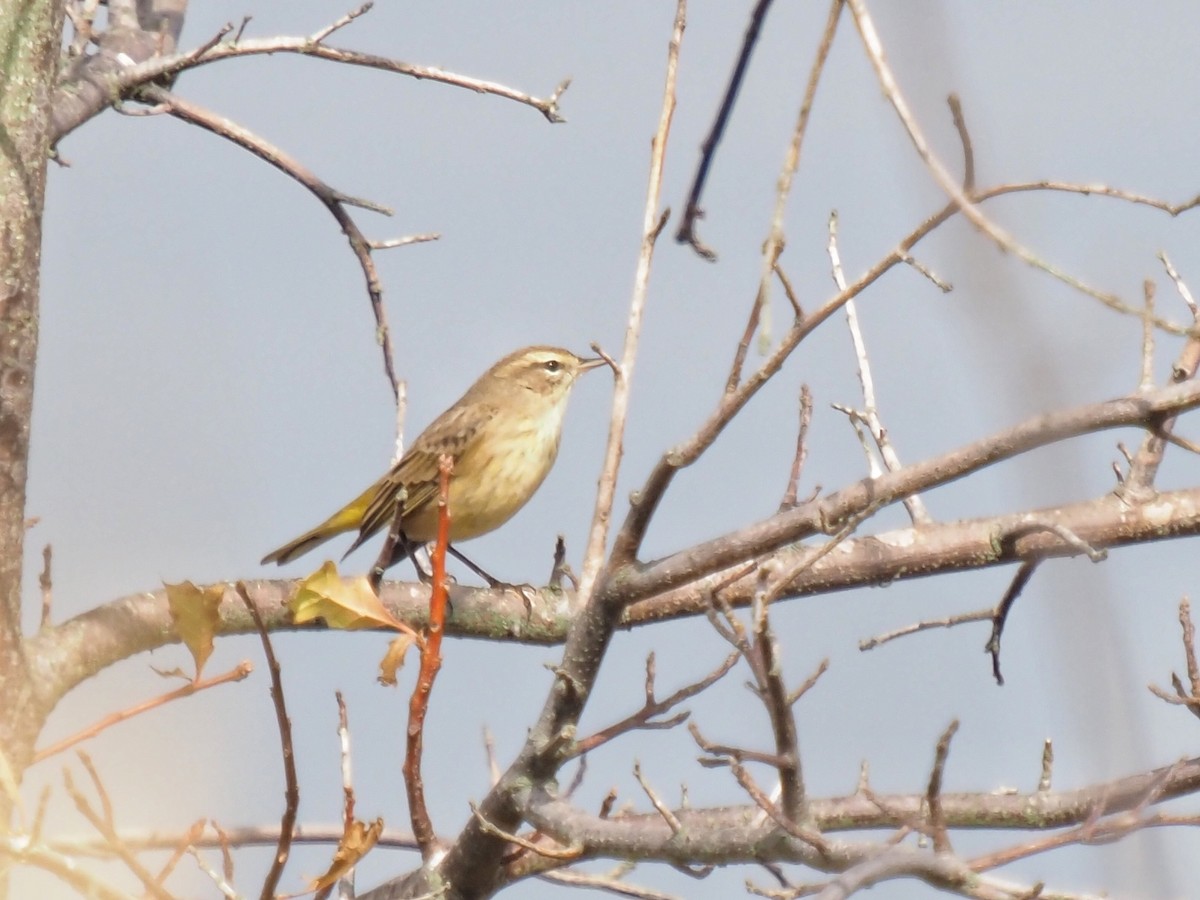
[[453, 433]]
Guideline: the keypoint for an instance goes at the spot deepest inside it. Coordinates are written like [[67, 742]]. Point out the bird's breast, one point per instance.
[[495, 477]]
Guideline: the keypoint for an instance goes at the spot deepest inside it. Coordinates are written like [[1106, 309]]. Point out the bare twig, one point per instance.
[[806, 409], [980, 615], [767, 666], [692, 210], [964, 136], [192, 687], [333, 200], [1000, 615], [343, 732], [83, 96], [967, 205], [757, 310], [571, 852], [106, 827], [1180, 285], [607, 883], [1146, 382], [644, 717], [870, 412], [287, 823], [652, 224], [773, 245], [933, 795], [219, 880], [663, 810]]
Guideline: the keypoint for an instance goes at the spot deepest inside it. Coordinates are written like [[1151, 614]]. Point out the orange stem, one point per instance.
[[431, 661]]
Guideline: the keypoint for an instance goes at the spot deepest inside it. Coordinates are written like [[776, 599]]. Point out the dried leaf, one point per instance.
[[356, 843], [194, 612], [394, 659], [345, 603]]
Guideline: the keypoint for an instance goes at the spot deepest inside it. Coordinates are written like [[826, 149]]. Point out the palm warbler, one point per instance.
[[503, 435]]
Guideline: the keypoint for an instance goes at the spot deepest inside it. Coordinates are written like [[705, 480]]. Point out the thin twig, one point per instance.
[[1146, 382], [287, 824], [692, 210], [571, 852], [652, 224], [333, 200], [773, 245], [870, 413], [220, 881], [644, 717], [1180, 285], [1000, 615], [964, 137], [192, 687], [767, 666], [341, 23], [663, 810], [980, 615], [933, 795], [107, 829], [806, 410], [343, 732], [967, 205]]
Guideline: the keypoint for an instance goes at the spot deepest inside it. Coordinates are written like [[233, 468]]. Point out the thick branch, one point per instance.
[[933, 549], [825, 515], [736, 834]]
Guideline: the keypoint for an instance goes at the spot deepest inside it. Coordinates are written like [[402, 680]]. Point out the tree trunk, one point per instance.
[[30, 41]]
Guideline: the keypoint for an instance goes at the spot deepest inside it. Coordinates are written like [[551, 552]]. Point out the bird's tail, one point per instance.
[[348, 518]]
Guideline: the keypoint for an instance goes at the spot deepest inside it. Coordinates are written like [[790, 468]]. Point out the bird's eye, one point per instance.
[[552, 365]]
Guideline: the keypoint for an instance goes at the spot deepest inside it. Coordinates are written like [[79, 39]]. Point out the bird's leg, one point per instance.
[[491, 582], [406, 549]]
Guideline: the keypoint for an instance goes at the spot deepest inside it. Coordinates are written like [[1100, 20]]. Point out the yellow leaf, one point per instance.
[[394, 659], [345, 603], [356, 843], [194, 612]]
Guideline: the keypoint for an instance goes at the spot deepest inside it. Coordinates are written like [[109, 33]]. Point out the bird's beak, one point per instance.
[[586, 364]]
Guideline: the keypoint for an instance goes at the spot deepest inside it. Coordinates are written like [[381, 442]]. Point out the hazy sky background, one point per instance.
[[209, 385]]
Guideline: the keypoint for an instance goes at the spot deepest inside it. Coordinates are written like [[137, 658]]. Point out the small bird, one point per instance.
[[503, 436]]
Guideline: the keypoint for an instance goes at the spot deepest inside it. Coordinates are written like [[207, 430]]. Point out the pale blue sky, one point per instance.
[[209, 384]]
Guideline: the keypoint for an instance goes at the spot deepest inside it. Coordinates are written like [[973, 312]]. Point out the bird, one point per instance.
[[503, 436]]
